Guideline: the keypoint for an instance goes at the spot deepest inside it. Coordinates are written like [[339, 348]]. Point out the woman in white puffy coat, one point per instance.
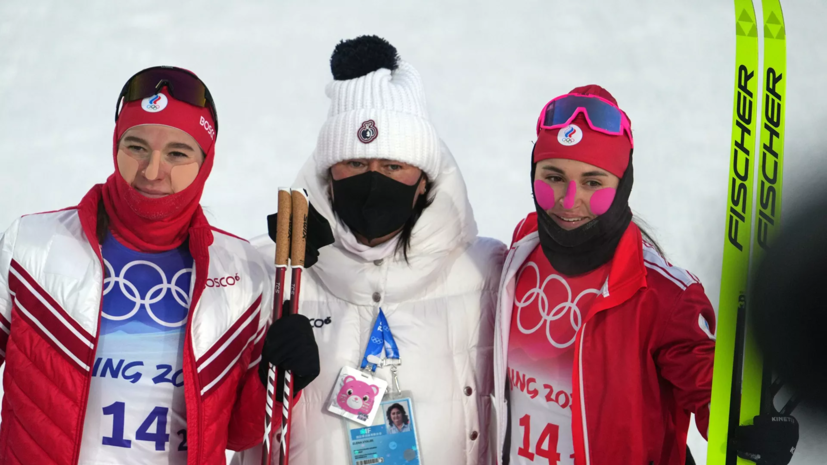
[[433, 278]]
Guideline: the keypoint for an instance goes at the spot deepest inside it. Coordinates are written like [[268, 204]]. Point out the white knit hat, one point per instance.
[[377, 109]]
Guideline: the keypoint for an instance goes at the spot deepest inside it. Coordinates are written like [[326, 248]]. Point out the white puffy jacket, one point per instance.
[[440, 308]]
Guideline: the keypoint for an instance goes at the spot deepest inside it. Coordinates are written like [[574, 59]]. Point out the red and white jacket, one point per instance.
[[51, 283], [643, 356]]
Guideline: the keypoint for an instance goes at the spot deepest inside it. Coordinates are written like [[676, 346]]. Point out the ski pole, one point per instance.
[[299, 241], [282, 257]]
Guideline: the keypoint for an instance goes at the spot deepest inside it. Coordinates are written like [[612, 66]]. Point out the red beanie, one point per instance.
[[579, 142]]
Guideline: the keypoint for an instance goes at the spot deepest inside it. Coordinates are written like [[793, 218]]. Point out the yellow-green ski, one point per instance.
[[741, 389], [755, 393], [735, 269]]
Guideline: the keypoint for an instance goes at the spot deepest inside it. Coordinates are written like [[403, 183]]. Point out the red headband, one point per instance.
[[166, 110]]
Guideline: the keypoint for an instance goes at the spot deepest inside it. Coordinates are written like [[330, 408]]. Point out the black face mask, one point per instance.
[[580, 250], [373, 205]]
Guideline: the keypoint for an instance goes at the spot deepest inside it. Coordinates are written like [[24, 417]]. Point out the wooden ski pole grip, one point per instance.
[[301, 206], [283, 227], [300, 210], [283, 232]]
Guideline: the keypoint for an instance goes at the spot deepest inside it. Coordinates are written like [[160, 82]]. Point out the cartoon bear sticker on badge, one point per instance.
[[357, 397]]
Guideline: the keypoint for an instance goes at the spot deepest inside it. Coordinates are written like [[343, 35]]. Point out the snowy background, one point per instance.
[[489, 66]]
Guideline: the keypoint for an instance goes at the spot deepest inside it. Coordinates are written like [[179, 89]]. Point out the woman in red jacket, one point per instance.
[[603, 349]]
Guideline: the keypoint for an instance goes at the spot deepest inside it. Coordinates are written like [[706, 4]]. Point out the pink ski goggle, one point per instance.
[[601, 114]]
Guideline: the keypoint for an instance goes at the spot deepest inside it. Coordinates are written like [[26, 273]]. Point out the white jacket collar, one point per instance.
[[366, 252]]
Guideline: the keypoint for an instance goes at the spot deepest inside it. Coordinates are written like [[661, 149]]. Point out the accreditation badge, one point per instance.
[[390, 439]]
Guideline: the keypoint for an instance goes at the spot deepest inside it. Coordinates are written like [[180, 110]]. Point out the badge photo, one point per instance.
[[391, 439]]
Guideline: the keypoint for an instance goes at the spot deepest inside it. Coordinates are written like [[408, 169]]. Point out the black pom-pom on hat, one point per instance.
[[360, 56]]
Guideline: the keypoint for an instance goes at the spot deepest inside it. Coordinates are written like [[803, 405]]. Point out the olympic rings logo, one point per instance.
[[558, 312], [154, 295]]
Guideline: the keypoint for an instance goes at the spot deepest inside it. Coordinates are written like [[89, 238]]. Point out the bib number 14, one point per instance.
[[159, 436], [546, 446]]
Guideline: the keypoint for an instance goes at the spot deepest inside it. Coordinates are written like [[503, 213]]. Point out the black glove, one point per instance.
[[290, 345], [770, 440], [319, 234]]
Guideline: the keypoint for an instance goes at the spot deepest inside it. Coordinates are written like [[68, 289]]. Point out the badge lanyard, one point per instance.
[[379, 442], [382, 343], [357, 394]]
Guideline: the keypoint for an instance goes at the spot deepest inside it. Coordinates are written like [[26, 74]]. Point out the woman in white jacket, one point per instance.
[[433, 278]]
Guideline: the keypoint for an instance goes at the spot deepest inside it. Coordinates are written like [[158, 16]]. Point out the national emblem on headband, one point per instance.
[[368, 132], [570, 135], [155, 103]]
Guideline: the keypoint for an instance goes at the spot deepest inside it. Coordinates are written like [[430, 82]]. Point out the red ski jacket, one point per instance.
[[643, 357], [51, 284]]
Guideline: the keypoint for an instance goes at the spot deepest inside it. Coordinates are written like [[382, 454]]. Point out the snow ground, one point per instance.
[[488, 67]]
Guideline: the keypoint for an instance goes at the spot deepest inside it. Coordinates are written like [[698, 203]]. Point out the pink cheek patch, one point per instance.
[[601, 200], [182, 176], [128, 167], [544, 195], [571, 193]]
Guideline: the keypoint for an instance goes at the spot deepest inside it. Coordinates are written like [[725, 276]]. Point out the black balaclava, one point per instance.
[[577, 251]]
